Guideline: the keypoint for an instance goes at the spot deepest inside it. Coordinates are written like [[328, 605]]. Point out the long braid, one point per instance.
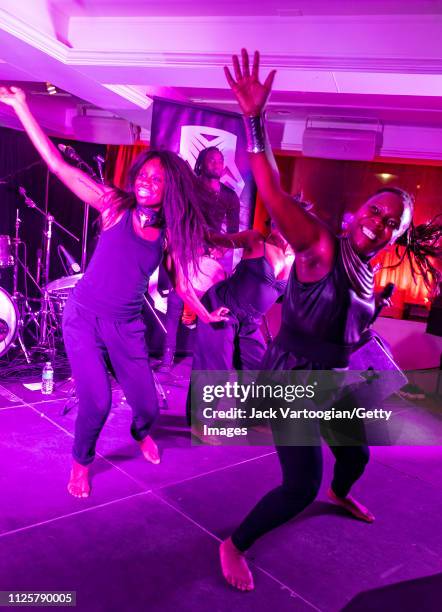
[[183, 212], [422, 242]]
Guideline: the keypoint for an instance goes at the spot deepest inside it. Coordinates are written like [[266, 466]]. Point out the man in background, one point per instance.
[[221, 211], [222, 206]]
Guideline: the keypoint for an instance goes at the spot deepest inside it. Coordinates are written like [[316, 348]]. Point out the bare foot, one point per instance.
[[352, 506], [150, 450], [78, 484], [234, 567]]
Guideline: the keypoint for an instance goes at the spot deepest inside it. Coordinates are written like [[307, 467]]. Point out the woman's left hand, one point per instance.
[[252, 95]]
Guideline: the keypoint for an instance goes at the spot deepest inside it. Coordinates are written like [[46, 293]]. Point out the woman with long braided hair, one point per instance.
[[159, 212]]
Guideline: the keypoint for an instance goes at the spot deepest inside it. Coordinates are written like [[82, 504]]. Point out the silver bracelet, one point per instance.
[[255, 134]]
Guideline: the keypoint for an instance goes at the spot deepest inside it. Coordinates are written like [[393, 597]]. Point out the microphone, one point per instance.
[[73, 265], [28, 201], [99, 160], [70, 152], [385, 294]]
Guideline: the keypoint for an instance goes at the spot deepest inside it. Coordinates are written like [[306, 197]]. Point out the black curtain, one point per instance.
[[16, 155]]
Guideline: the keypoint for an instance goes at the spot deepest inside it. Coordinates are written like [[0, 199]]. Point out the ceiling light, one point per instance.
[[386, 176], [51, 89]]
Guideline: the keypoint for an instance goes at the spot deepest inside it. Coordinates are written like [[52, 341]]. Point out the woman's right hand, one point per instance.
[[12, 96], [218, 315], [252, 95]]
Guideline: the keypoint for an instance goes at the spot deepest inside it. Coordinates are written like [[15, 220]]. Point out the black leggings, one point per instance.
[[301, 478]]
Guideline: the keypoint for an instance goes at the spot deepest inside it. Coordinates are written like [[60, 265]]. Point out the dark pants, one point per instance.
[[236, 344], [233, 344], [175, 306], [90, 341], [301, 468]]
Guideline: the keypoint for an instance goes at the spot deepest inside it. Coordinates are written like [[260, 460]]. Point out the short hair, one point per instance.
[[407, 214], [201, 157]]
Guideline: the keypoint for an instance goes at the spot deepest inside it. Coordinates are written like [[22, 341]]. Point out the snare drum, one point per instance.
[[8, 321], [6, 256]]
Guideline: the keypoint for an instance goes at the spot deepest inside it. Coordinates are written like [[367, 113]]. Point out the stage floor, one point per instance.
[[147, 538]]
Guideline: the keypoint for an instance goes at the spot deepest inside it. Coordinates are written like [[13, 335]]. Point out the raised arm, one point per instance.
[[76, 180], [302, 230]]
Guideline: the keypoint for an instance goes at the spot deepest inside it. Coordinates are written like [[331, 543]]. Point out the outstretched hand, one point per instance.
[[12, 96], [252, 95]]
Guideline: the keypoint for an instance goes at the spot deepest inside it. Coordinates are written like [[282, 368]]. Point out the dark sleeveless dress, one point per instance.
[[237, 343], [251, 290], [321, 322], [248, 294]]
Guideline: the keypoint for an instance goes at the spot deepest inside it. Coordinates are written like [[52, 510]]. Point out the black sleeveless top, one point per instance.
[[252, 289], [118, 274], [322, 321]]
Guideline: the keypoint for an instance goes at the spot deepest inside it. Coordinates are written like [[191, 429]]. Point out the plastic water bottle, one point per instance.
[[47, 379]]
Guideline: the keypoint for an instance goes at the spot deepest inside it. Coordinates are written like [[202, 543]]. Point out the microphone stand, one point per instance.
[[15, 295], [84, 238], [46, 330]]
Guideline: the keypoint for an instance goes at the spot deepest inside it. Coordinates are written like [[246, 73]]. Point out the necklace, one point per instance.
[[359, 272], [149, 217]]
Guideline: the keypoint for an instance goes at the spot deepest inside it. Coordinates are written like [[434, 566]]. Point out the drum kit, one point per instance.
[[19, 323]]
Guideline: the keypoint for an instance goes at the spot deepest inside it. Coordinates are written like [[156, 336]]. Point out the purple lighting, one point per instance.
[[141, 157]]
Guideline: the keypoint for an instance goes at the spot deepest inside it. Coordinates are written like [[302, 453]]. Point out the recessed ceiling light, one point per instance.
[[386, 176]]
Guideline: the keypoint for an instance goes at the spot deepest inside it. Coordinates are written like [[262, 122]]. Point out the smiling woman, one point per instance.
[[102, 318], [328, 304], [381, 220]]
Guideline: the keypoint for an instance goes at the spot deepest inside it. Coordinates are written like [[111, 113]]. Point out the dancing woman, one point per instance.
[[102, 319], [257, 282], [327, 306]]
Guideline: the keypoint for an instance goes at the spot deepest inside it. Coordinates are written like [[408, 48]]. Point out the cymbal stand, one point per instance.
[[48, 321], [16, 296], [26, 314]]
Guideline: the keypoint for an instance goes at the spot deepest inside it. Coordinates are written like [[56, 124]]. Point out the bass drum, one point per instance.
[[8, 321]]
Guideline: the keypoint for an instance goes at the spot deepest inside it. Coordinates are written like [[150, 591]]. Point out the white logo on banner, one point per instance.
[[195, 138]]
